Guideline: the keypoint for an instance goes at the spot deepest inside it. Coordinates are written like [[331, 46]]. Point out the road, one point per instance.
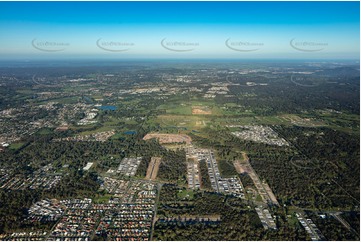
[[156, 204], [337, 216], [341, 220], [212, 159]]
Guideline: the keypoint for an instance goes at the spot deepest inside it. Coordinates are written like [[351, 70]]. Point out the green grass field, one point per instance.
[[16, 146], [44, 131], [102, 198], [102, 129], [175, 108], [65, 100], [185, 194], [180, 121]]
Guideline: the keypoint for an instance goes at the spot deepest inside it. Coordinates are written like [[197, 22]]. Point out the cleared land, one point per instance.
[[201, 110], [270, 193], [263, 188], [238, 167], [182, 122], [169, 138], [153, 168], [298, 121]]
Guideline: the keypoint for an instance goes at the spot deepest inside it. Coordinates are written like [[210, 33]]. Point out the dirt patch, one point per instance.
[[238, 167], [245, 156], [62, 128], [169, 138], [153, 168], [201, 110], [270, 193], [262, 187]]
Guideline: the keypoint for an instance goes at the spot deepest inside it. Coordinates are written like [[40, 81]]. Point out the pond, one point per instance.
[[130, 132], [110, 108]]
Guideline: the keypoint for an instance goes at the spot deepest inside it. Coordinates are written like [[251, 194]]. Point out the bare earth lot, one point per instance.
[[201, 110], [263, 188], [169, 138], [153, 168]]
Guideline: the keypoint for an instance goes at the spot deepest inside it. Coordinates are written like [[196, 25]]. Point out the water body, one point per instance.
[[130, 132], [110, 108]]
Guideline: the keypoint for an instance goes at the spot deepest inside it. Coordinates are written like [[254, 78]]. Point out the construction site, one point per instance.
[[153, 168], [169, 138]]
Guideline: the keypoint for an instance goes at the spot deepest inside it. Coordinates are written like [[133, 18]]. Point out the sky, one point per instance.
[[153, 30]]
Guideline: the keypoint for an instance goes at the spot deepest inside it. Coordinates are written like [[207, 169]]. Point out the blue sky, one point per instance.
[[254, 30]]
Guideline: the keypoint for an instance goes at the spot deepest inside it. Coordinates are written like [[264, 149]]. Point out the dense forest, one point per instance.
[[332, 229], [317, 161]]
